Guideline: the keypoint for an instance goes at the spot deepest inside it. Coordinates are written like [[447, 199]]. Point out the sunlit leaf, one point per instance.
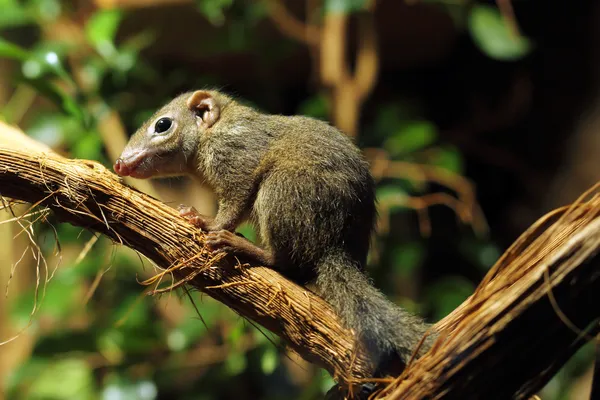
[[269, 360], [13, 14], [46, 10], [236, 363], [132, 312], [413, 136], [118, 341], [214, 10], [20, 378], [51, 128], [119, 387], [101, 30], [140, 41], [448, 158], [88, 147], [59, 97], [64, 379], [492, 35], [145, 390], [236, 334], [111, 344], [327, 382], [191, 329], [46, 58], [247, 230], [11, 50], [60, 300]]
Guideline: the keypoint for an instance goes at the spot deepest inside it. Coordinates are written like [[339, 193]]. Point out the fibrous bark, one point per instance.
[[532, 311]]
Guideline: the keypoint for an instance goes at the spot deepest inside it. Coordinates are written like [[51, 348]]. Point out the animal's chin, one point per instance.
[[140, 173]]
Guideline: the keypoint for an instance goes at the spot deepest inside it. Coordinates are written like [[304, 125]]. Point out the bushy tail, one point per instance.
[[385, 329]]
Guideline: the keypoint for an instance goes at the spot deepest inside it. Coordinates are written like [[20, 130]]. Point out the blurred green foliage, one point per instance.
[[118, 344]]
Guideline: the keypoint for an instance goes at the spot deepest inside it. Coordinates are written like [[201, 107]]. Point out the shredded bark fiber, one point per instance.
[[535, 308], [525, 320], [86, 194]]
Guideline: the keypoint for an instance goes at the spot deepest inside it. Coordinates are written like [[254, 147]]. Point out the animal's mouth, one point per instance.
[[128, 164]]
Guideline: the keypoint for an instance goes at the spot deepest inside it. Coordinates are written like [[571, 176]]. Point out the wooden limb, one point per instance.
[[85, 193], [288, 24], [530, 314], [535, 308], [334, 69], [367, 58]]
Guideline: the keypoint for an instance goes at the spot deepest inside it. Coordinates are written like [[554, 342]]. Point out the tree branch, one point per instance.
[[528, 316], [287, 23], [85, 193], [532, 311]]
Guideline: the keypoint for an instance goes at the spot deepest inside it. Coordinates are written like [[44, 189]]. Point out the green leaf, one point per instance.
[[60, 299], [64, 379], [51, 128], [236, 363], [482, 254], [55, 94], [247, 230], [46, 10], [20, 378], [145, 390], [47, 58], [491, 34], [213, 10], [13, 14], [414, 136], [88, 147], [344, 6], [327, 382], [187, 332], [269, 360], [408, 257], [101, 30], [447, 294], [132, 312], [393, 195], [448, 158], [121, 387], [315, 106], [236, 333], [11, 50]]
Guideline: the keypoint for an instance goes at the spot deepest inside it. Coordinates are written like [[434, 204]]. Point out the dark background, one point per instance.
[[519, 123]]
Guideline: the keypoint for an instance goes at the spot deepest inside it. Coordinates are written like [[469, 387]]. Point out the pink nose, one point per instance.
[[121, 168]]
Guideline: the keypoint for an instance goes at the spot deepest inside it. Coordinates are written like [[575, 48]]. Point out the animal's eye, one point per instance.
[[163, 125]]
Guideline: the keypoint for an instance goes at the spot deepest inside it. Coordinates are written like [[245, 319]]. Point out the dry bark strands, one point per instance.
[[86, 194], [525, 319], [509, 337]]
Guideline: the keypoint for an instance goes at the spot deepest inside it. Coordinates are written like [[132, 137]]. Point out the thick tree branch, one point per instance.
[[528, 316], [86, 194]]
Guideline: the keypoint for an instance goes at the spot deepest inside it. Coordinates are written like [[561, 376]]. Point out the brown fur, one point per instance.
[[306, 188]]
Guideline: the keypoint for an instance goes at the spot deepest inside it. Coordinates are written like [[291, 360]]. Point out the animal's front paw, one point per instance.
[[195, 218], [226, 241]]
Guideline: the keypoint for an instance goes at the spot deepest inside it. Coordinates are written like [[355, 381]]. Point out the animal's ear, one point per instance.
[[205, 106]]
